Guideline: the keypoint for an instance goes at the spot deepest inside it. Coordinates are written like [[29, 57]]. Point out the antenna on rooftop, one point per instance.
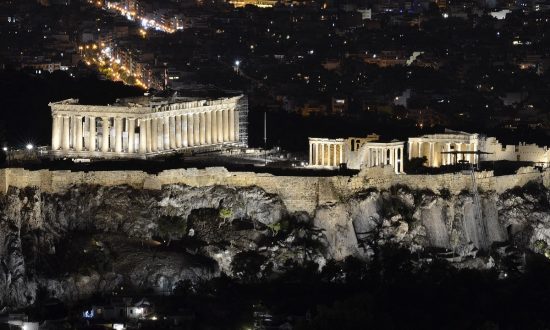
[[265, 137], [265, 129]]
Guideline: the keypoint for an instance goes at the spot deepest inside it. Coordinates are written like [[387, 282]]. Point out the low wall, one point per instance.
[[298, 193]]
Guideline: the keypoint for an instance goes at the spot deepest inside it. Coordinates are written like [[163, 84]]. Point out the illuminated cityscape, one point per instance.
[[274, 164]]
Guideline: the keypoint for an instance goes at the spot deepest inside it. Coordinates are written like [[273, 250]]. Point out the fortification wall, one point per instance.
[[299, 193]]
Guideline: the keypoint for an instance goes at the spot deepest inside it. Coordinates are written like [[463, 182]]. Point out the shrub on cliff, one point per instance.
[[393, 205], [170, 227], [247, 265], [225, 214]]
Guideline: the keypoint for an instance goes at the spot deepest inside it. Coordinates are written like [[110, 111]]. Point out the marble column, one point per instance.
[[154, 134], [149, 134], [225, 125], [184, 130], [395, 160], [323, 154], [56, 137], [196, 129], [220, 125], [214, 127], [131, 135], [432, 154], [65, 140], [202, 128], [172, 128], [400, 159], [118, 134], [341, 154], [318, 153], [72, 136], [448, 155], [105, 134], [77, 144], [237, 126], [310, 154], [166, 133], [92, 144], [85, 132], [142, 136], [160, 134], [191, 129], [419, 149], [209, 127], [177, 122], [231, 124]]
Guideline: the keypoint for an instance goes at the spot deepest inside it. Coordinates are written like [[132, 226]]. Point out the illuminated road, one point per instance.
[[145, 22], [111, 67]]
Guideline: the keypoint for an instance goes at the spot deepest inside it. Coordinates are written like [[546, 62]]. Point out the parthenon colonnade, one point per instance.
[[137, 130]]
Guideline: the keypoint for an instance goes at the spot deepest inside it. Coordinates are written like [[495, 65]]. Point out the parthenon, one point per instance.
[[139, 128]]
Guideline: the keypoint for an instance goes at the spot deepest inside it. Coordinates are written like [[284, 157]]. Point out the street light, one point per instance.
[[237, 64], [7, 152], [29, 146]]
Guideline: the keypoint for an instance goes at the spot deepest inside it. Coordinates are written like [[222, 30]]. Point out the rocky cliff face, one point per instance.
[[101, 239]]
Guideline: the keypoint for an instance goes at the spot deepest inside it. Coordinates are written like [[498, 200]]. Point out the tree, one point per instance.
[[416, 165], [246, 265], [170, 227], [225, 214]]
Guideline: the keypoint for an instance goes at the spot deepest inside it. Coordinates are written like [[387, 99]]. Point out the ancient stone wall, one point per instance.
[[299, 193]]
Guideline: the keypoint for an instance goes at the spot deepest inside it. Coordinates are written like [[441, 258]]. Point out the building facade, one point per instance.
[[451, 147], [355, 153], [438, 148], [145, 127]]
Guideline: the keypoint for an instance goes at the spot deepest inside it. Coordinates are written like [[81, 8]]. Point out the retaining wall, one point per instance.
[[299, 193]]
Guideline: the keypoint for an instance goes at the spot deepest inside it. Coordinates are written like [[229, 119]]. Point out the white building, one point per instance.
[[438, 148], [144, 127], [451, 147], [522, 152], [355, 153]]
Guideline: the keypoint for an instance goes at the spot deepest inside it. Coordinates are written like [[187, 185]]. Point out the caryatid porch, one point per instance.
[[138, 131]]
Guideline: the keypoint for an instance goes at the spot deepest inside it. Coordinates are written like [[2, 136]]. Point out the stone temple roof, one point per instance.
[[145, 101], [147, 105]]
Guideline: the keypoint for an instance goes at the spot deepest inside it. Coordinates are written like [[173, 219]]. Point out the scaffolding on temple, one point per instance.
[[242, 107]]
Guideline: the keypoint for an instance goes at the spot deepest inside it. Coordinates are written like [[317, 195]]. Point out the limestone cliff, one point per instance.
[[92, 239]]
